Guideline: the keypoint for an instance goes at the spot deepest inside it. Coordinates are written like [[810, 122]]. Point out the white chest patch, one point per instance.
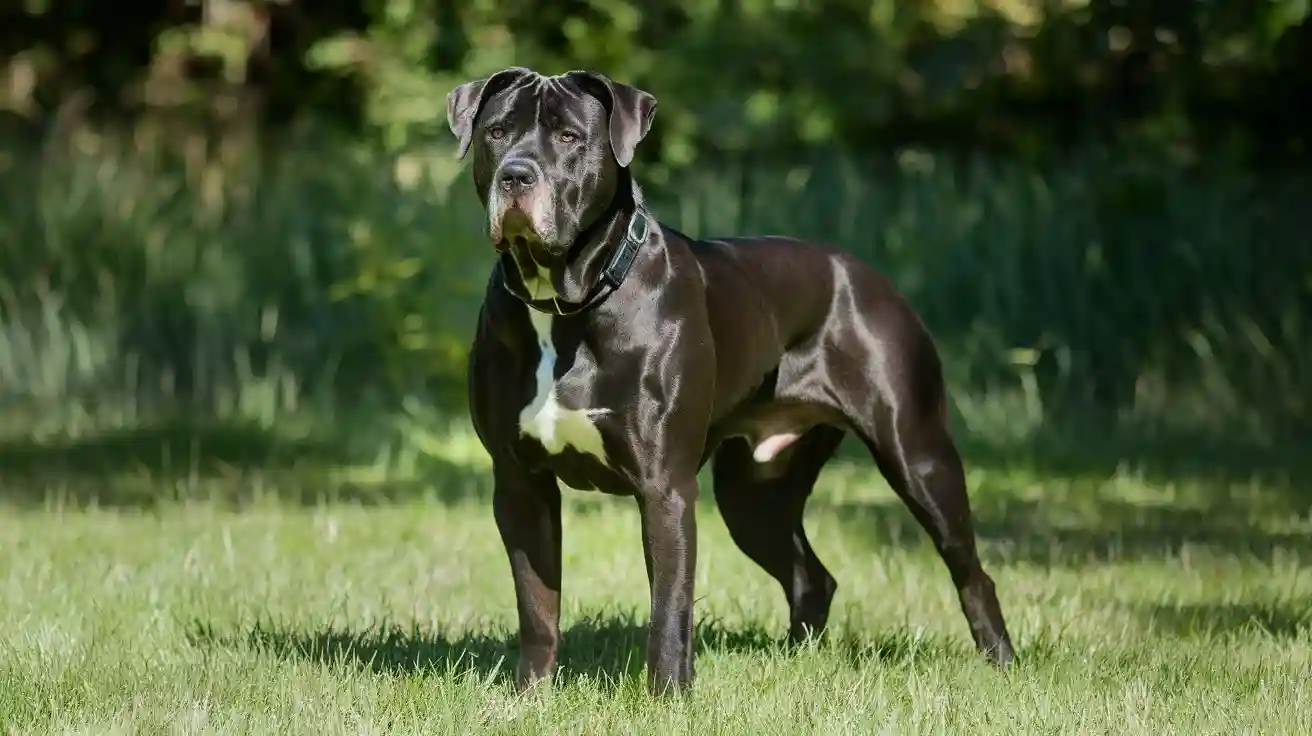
[[544, 419]]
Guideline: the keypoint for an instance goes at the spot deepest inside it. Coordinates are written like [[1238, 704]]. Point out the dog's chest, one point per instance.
[[544, 419]]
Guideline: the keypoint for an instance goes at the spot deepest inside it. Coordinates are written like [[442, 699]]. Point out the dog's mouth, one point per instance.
[[513, 243], [533, 258], [514, 228], [526, 248]]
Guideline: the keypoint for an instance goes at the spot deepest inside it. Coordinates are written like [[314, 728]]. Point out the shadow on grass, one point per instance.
[[1231, 485], [1281, 619], [1016, 530], [609, 649], [225, 463], [1203, 459], [168, 450]]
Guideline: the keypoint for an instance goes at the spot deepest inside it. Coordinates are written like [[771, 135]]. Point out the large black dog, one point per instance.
[[616, 354]]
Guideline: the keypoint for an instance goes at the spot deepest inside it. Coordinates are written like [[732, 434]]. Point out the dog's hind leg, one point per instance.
[[913, 448], [762, 506]]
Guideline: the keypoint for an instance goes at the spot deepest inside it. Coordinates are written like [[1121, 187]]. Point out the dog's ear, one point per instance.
[[631, 111], [465, 102]]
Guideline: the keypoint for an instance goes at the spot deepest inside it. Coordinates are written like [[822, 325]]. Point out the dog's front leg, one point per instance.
[[527, 510], [669, 544]]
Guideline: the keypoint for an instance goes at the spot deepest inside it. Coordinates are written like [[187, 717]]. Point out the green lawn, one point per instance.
[[1138, 605]]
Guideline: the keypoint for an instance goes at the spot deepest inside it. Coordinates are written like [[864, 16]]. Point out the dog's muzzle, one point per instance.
[[520, 205]]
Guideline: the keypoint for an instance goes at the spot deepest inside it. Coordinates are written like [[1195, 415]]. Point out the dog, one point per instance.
[[614, 353]]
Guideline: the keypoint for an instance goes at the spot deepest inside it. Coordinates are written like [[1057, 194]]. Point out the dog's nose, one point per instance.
[[516, 176]]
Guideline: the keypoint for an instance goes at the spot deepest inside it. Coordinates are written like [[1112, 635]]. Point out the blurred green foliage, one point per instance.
[[1099, 207]]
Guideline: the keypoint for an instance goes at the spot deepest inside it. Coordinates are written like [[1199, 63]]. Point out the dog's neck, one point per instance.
[[574, 279]]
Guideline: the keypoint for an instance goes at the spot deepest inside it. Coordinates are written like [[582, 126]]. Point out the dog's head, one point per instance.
[[548, 151]]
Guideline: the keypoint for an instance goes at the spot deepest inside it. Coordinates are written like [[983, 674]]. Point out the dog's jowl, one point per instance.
[[617, 354]]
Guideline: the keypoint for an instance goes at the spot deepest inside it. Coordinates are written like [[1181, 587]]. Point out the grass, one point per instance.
[[1138, 605]]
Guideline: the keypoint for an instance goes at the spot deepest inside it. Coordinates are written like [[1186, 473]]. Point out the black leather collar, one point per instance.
[[617, 269]]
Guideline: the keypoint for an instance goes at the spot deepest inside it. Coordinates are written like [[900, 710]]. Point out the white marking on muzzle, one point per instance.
[[544, 419]]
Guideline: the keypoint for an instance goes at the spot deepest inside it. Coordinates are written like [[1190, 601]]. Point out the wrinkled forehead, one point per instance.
[[550, 101]]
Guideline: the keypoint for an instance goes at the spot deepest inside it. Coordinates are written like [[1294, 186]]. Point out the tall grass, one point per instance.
[[324, 273]]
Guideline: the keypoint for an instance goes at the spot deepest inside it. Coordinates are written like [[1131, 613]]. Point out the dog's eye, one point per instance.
[[497, 133], [566, 137]]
